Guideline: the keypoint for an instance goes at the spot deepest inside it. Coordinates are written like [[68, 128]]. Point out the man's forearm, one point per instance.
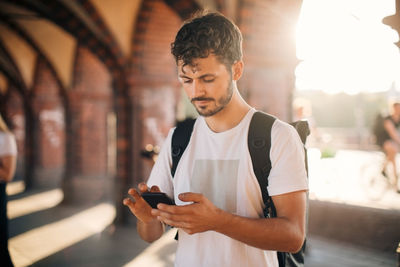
[[269, 234], [284, 233], [150, 231]]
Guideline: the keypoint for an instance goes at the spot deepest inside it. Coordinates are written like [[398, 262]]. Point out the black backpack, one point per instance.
[[259, 144]]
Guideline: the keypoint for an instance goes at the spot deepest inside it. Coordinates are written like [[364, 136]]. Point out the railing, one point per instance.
[[342, 138]]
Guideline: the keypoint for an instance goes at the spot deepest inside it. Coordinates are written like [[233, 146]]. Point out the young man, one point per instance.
[[219, 207]]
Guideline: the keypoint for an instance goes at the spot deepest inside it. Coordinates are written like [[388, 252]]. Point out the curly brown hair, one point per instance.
[[208, 33]]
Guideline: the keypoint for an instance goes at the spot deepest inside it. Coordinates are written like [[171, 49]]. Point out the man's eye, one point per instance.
[[209, 80], [187, 81]]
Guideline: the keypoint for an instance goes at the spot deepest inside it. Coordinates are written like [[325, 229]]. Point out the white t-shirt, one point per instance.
[[219, 166], [8, 146]]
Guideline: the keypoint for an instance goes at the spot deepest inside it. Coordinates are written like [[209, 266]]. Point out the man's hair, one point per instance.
[[205, 34]]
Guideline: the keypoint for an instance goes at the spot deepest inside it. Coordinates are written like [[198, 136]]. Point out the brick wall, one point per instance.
[[269, 54], [49, 128], [154, 86], [89, 101]]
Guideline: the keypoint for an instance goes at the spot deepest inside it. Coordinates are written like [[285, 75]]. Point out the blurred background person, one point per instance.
[[389, 141], [8, 159]]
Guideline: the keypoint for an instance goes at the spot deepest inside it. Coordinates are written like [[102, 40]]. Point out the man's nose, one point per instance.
[[197, 89]]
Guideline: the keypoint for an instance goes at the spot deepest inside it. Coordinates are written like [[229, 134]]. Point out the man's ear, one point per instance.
[[237, 70]]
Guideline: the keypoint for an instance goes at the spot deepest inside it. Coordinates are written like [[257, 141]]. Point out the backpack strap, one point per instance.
[[259, 143], [180, 140], [303, 130]]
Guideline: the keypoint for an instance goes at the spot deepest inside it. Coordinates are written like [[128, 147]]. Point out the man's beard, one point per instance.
[[219, 105]]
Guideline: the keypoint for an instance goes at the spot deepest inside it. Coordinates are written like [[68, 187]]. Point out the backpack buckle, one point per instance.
[[258, 143], [176, 151]]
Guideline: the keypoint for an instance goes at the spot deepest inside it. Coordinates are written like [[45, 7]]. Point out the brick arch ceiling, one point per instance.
[[45, 39], [184, 8], [22, 53], [3, 83], [20, 38], [83, 22], [120, 20], [10, 70]]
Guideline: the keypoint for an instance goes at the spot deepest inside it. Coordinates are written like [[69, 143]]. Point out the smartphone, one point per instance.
[[153, 198]]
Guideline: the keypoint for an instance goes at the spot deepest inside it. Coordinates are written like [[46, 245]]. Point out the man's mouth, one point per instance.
[[201, 100]]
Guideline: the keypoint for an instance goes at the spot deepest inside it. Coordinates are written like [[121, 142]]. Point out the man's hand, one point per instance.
[[148, 227], [200, 216], [139, 207]]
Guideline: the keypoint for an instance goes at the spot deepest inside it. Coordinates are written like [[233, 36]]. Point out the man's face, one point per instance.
[[207, 83]]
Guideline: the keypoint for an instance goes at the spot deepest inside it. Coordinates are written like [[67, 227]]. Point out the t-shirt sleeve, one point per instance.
[[288, 173], [161, 173], [8, 145]]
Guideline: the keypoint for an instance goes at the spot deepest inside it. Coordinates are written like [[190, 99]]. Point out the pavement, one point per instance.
[[346, 217]]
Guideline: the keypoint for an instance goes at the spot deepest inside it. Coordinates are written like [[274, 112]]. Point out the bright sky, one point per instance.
[[344, 46]]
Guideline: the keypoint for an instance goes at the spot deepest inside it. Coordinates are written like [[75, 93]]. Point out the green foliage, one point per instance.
[[328, 152]]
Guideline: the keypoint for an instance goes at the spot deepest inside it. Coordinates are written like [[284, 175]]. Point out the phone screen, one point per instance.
[[153, 198]]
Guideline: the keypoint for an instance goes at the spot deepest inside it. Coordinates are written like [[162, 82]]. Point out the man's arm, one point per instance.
[[148, 227], [286, 232]]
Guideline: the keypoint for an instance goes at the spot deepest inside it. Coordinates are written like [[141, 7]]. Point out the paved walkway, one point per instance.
[[352, 177], [124, 248], [51, 234]]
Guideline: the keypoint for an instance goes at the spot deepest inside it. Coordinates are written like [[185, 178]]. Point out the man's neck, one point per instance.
[[230, 116]]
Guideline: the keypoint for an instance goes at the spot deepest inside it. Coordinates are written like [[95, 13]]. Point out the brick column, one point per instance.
[[269, 54], [153, 116], [49, 129], [153, 81], [87, 179]]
